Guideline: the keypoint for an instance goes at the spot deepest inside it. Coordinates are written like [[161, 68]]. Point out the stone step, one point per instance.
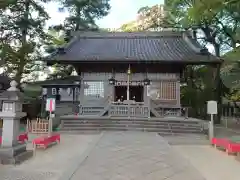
[[135, 125], [132, 129], [130, 120], [165, 133], [132, 125], [162, 126], [62, 131]]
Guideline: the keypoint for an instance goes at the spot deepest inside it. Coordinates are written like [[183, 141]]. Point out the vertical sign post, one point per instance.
[[50, 107], [128, 82], [212, 110], [128, 89]]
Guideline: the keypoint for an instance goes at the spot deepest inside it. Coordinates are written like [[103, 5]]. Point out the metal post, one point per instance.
[[149, 107], [50, 124], [211, 128], [50, 118]]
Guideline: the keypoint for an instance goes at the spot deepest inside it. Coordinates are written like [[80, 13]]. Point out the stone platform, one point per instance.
[[14, 155]]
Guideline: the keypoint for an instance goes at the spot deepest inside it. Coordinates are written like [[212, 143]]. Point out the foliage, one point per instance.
[[23, 38], [148, 18], [214, 23], [130, 27], [230, 73], [82, 16], [4, 4], [22, 27], [152, 18], [217, 21], [56, 38]]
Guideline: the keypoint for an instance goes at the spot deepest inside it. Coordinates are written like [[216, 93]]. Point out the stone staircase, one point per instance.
[[162, 126]]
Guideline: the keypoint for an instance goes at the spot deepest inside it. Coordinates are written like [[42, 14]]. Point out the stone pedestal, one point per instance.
[[15, 154], [11, 152]]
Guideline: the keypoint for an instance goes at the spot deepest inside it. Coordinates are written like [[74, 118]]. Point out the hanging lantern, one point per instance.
[[146, 82], [129, 70], [112, 81]]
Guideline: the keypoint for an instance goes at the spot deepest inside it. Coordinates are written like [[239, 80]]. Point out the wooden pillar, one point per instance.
[[73, 94]]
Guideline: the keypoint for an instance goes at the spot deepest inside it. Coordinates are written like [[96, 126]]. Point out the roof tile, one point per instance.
[[138, 46]]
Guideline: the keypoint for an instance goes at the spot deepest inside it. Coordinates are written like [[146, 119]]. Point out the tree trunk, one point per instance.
[[78, 16], [22, 60], [218, 85]]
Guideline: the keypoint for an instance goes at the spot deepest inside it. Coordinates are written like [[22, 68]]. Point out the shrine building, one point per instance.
[[125, 74]]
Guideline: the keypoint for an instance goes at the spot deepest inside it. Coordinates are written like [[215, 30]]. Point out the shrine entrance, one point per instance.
[[135, 93]]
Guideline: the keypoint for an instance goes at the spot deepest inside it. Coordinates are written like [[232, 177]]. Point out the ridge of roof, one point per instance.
[[139, 34]]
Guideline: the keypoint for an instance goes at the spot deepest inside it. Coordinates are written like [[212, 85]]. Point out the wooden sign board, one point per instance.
[[131, 83]]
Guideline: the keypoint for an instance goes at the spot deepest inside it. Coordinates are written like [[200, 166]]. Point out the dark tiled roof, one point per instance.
[[134, 46], [62, 81]]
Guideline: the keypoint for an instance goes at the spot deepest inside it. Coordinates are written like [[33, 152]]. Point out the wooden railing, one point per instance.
[[38, 126], [94, 109], [90, 110], [164, 112], [160, 109], [122, 110]]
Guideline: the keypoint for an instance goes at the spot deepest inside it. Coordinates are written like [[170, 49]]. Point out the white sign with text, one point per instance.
[[212, 107]]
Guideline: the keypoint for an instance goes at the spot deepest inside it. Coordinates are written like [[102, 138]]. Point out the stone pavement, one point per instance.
[[212, 163], [127, 156], [134, 156], [50, 164]]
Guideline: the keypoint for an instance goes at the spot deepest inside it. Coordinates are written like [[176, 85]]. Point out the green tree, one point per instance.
[[56, 39], [82, 14], [22, 31], [152, 18], [4, 4], [130, 27], [214, 22]]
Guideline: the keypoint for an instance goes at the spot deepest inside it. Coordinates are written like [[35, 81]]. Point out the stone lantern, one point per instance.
[[11, 152]]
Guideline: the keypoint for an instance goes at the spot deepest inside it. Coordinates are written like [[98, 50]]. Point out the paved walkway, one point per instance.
[[213, 164], [50, 164], [134, 156], [126, 156]]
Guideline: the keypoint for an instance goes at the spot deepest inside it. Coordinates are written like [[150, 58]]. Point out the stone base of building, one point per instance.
[[14, 155]]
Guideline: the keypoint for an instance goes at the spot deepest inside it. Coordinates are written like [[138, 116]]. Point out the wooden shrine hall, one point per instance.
[[120, 74]]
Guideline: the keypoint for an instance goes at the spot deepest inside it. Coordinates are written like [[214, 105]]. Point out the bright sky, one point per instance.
[[122, 11]]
